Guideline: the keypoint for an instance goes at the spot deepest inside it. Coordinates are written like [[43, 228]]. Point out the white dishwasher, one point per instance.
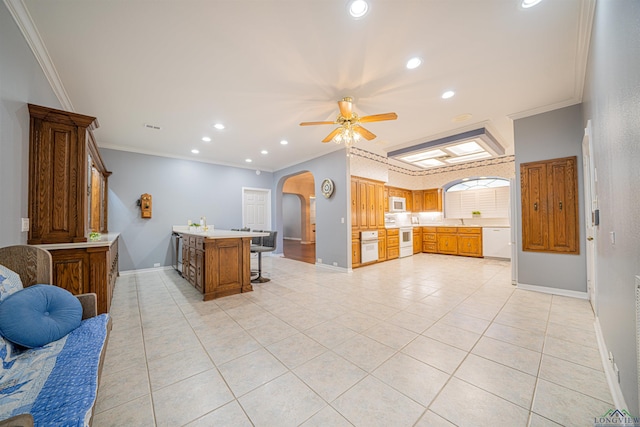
[[496, 242], [368, 246]]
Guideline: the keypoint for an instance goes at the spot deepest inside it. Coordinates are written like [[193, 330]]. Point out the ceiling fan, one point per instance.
[[350, 130]]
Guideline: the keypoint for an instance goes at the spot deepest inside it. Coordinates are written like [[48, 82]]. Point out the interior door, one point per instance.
[[256, 208], [591, 207]]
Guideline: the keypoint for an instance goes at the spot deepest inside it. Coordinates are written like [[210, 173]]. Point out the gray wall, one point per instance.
[[181, 190], [21, 82], [333, 237], [548, 136], [291, 216], [612, 103]]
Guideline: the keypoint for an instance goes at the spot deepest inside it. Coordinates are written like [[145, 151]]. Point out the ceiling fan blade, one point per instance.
[[365, 133], [332, 135], [346, 107], [316, 123], [378, 117]]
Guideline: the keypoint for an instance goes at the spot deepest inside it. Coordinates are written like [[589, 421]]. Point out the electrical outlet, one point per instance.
[[335, 264], [319, 260], [25, 224], [157, 264]]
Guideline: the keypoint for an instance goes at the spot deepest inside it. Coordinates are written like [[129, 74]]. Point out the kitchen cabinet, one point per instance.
[[418, 195], [367, 204], [393, 243], [429, 240], [417, 240], [549, 191], [86, 268], [64, 163], [447, 240], [355, 249], [382, 244], [464, 241], [470, 241], [432, 200]]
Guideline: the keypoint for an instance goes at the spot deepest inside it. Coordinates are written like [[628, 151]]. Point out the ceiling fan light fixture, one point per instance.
[[414, 63], [358, 8]]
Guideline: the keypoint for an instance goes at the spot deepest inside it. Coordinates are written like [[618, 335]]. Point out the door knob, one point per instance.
[[589, 238]]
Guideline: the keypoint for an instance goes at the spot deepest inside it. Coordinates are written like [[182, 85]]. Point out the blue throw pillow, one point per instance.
[[38, 315]]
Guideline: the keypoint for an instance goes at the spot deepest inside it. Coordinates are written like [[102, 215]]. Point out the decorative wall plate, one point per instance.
[[327, 188]]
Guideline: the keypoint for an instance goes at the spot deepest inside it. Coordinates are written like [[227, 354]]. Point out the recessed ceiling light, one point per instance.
[[264, 152], [448, 94], [219, 126], [206, 139], [195, 151], [358, 8], [248, 160], [529, 3], [414, 62], [284, 142]]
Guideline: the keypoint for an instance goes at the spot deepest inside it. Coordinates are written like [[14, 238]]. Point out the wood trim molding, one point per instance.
[[32, 36]]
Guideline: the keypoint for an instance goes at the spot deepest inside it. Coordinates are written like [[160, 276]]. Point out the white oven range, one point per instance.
[[406, 241]]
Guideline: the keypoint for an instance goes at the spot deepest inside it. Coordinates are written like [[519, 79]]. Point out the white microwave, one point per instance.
[[397, 204]]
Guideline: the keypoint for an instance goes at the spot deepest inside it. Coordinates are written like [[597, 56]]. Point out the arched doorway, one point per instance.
[[299, 225]]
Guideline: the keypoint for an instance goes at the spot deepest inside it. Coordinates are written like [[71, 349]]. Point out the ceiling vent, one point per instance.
[[152, 126]]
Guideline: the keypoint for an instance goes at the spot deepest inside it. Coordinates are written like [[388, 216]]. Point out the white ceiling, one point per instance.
[[263, 66]]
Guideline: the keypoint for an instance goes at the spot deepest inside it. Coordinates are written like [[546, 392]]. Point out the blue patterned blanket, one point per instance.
[[57, 383]]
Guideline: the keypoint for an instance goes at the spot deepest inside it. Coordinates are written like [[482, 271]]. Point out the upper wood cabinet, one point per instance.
[[432, 200], [62, 158], [549, 191], [367, 203]]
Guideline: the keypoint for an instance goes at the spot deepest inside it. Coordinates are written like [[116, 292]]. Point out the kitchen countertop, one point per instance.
[[104, 240], [216, 233], [448, 225]]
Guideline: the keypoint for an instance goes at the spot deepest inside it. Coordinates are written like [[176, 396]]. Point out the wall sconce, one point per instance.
[[145, 205]]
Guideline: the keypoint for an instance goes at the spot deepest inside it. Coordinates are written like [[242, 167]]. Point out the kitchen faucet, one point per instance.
[[462, 221]]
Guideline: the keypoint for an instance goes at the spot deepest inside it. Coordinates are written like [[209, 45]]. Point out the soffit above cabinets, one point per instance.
[[464, 147]]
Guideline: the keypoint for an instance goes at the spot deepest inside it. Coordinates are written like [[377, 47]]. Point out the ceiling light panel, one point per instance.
[[468, 158], [465, 148], [428, 163], [423, 156]]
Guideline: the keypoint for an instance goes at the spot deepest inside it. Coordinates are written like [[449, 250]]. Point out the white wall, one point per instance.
[[547, 136], [21, 82], [612, 103]]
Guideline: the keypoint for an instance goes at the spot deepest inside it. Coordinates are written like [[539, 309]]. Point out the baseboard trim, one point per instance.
[[553, 291], [612, 378], [333, 267], [146, 270]]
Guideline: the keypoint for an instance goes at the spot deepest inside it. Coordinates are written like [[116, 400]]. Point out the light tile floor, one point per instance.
[[427, 340]]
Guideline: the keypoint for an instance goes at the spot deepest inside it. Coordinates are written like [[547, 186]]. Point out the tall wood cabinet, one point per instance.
[[67, 199], [549, 191], [367, 214]]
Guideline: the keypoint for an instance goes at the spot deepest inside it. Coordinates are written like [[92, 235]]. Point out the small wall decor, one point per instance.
[[145, 204], [327, 188]]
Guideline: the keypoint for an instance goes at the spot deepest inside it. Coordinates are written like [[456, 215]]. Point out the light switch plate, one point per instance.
[[25, 224]]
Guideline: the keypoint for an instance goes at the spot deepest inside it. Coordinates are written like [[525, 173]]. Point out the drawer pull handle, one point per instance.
[[535, 206]]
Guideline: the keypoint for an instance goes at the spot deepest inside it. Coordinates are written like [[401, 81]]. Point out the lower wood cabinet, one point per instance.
[[88, 269], [464, 241], [393, 243], [382, 244], [355, 249], [417, 240]]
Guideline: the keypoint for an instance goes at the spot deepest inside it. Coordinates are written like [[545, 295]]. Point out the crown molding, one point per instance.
[[23, 19]]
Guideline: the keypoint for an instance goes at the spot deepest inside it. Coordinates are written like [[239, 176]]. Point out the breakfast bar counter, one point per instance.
[[217, 262]]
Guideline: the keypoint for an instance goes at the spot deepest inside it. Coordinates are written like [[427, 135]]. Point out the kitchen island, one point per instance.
[[217, 262]]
